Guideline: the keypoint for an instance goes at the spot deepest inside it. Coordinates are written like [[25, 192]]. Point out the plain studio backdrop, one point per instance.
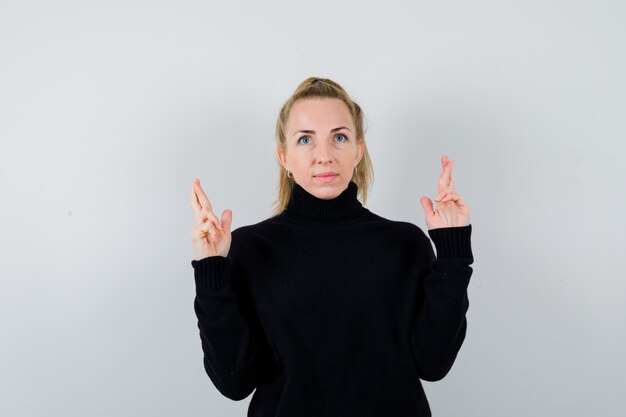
[[108, 110]]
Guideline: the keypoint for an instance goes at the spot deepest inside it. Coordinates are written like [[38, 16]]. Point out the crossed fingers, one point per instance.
[[202, 209], [445, 184]]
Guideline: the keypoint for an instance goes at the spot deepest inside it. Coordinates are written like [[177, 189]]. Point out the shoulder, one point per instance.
[[244, 235], [255, 230], [399, 226], [244, 247], [402, 231], [249, 237]]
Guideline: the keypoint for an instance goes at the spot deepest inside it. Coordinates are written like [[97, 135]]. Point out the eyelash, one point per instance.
[[338, 134]]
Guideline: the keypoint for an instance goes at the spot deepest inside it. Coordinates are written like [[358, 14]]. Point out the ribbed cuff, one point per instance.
[[453, 242], [211, 273]]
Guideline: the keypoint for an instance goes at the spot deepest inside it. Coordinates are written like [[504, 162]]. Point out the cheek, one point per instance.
[[300, 157], [349, 156]]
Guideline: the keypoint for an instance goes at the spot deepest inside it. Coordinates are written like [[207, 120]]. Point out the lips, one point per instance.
[[326, 177]]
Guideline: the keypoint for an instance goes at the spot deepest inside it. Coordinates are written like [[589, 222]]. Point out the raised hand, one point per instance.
[[451, 211], [209, 236]]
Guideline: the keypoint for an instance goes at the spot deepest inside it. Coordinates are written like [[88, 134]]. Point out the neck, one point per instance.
[[305, 207]]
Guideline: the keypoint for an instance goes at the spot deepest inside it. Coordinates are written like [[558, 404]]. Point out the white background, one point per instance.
[[108, 110]]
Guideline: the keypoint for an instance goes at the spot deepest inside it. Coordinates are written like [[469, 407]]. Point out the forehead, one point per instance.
[[322, 112]]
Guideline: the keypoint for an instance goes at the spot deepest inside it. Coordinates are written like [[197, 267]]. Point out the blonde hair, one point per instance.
[[314, 87]]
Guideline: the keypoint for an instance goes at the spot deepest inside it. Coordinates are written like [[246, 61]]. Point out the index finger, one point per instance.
[[195, 204], [205, 204], [445, 179]]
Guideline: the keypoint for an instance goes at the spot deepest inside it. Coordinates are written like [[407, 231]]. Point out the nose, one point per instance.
[[324, 152]]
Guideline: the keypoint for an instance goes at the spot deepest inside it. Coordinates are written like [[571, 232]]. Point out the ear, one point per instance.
[[360, 152], [280, 154]]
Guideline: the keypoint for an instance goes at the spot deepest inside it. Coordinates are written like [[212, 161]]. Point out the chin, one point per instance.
[[328, 191]]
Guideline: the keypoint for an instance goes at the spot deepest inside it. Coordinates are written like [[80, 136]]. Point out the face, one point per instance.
[[321, 148]]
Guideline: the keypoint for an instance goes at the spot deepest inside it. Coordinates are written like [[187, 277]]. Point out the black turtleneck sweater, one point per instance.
[[331, 310]]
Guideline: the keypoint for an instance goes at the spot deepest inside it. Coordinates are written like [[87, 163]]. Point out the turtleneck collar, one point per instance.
[[308, 208]]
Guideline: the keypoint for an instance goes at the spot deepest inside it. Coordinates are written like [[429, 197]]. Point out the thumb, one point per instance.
[[227, 220], [427, 204]]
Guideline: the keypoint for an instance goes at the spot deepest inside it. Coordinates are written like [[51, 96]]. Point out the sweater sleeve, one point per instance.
[[439, 324], [236, 353]]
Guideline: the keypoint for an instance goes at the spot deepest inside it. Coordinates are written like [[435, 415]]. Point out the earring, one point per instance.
[[289, 174], [355, 170]]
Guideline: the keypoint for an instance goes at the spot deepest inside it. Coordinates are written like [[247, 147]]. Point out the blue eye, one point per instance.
[[342, 135], [303, 137]]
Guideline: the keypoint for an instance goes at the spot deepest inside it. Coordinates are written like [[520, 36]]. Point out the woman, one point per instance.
[[325, 308]]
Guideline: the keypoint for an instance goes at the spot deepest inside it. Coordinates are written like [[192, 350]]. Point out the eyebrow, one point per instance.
[[313, 131]]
